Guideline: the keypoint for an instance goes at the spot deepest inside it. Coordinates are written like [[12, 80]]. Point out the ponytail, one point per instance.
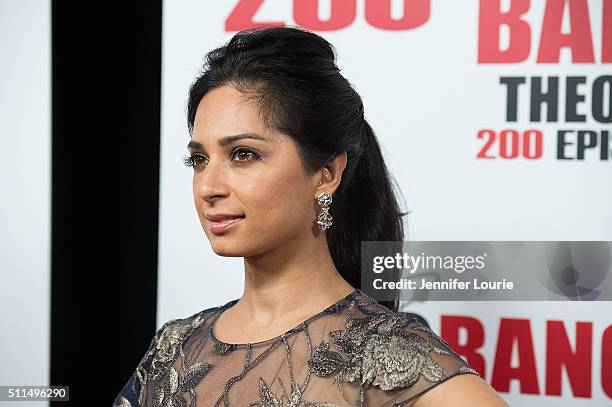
[[367, 210]]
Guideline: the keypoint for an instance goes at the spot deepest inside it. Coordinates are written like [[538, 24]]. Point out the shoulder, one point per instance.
[[175, 330], [165, 344], [168, 339], [404, 353], [390, 355], [164, 348], [464, 390]]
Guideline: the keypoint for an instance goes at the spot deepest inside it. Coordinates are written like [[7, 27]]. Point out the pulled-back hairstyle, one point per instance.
[[291, 74]]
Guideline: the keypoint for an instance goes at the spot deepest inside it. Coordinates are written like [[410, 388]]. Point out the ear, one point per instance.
[[330, 175]]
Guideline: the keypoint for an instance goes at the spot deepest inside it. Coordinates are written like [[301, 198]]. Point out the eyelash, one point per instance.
[[190, 160]]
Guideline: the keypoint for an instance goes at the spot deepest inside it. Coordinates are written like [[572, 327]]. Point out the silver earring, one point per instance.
[[324, 220]]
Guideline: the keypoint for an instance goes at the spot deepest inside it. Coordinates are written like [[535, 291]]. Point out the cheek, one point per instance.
[[279, 199]]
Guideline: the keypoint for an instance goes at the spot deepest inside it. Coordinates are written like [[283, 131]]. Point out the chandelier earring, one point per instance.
[[324, 220]]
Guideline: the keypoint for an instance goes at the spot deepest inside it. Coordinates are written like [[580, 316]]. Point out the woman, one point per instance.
[[288, 174]]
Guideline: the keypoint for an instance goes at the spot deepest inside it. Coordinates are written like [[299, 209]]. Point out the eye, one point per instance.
[[194, 160], [245, 153]]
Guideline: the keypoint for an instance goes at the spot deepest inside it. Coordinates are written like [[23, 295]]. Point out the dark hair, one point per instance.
[[292, 75]]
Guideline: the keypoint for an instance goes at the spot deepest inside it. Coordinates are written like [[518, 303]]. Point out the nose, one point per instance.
[[209, 184]]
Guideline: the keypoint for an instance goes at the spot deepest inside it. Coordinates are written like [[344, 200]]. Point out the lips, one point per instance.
[[222, 217], [220, 223]]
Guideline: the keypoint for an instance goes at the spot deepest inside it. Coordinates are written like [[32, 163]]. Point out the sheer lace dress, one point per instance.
[[356, 352]]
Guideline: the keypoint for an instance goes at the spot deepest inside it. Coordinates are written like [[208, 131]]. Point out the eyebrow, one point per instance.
[[227, 140]]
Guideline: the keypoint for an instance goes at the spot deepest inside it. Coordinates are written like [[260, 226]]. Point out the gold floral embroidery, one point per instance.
[[165, 347], [122, 402], [467, 369], [268, 399], [169, 394], [380, 352], [193, 375], [220, 348]]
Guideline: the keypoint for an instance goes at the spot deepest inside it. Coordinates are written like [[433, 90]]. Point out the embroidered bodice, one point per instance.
[[356, 352]]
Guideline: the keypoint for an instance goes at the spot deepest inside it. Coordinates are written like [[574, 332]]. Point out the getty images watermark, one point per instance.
[[487, 271]]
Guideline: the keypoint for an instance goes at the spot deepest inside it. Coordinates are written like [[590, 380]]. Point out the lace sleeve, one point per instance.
[[405, 360], [132, 394]]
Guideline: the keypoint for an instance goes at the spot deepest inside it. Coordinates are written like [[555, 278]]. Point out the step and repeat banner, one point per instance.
[[495, 118]]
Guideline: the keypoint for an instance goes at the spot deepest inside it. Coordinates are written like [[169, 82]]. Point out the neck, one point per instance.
[[296, 278]]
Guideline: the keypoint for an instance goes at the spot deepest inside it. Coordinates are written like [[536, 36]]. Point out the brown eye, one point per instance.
[[195, 160], [198, 160], [245, 155]]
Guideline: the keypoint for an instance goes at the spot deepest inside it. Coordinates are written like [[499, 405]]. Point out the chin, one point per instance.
[[223, 250], [228, 247]]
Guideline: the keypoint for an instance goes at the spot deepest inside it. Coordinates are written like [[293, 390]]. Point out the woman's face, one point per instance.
[[259, 179]]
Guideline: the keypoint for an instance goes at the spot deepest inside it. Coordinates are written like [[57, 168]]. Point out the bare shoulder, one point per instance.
[[461, 390]]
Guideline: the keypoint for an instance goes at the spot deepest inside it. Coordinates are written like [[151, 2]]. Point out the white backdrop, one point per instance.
[[25, 182], [426, 96]]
